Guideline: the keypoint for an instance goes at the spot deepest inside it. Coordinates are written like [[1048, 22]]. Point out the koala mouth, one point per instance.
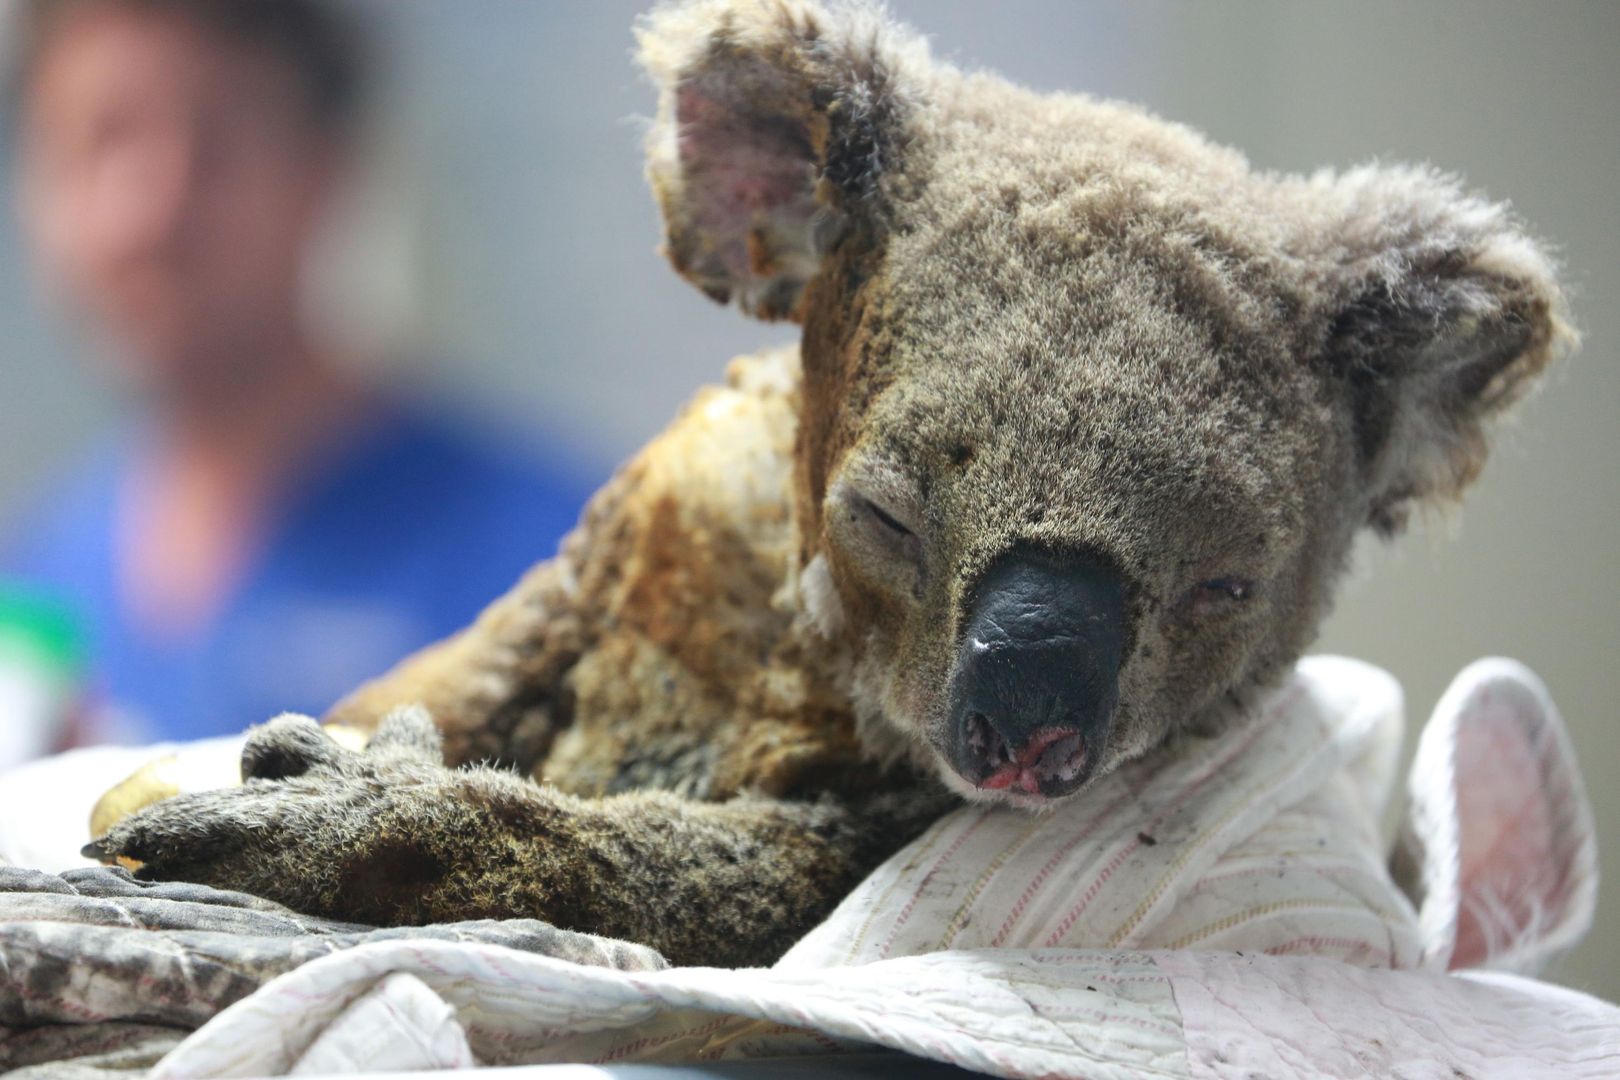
[[1048, 763]]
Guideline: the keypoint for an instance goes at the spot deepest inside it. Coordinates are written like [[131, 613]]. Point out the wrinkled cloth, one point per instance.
[[1265, 839], [96, 961], [1017, 945], [1014, 1013]]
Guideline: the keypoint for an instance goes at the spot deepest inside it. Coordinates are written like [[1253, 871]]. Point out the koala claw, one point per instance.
[[305, 816], [183, 836], [290, 745], [409, 731]]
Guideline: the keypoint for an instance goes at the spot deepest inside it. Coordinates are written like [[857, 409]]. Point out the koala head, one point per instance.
[[1091, 411]]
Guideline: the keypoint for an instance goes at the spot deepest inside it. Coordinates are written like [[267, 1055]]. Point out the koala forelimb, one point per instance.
[[389, 836]]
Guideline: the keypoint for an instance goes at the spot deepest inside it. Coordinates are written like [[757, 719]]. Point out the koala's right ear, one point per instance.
[[778, 124]]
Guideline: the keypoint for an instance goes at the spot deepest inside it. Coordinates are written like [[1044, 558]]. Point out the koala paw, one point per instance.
[[317, 827], [293, 745]]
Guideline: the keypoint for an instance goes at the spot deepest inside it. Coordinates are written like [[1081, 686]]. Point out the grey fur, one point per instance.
[[1028, 321]]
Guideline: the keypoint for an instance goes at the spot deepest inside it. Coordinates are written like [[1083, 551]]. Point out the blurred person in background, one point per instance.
[[274, 527]]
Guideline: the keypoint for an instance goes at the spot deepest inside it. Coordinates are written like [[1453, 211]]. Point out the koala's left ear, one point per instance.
[[1441, 313], [778, 123]]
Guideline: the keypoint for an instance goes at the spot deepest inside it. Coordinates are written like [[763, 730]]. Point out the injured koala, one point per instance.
[[1085, 417]]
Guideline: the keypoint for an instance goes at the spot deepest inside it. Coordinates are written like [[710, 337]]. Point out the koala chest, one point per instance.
[[700, 679]]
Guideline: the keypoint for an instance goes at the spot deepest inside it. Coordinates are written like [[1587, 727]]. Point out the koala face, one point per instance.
[[1091, 412], [1090, 495]]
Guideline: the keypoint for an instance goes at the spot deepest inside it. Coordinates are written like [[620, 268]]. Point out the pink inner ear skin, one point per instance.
[[1514, 876], [741, 169]]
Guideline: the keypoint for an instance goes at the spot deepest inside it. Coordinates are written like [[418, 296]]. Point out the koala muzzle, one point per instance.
[[1036, 677]]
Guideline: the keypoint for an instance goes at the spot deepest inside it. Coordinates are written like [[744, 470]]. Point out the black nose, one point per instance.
[[1037, 673]]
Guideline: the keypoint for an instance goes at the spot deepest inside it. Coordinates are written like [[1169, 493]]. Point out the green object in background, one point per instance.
[[42, 659], [36, 623]]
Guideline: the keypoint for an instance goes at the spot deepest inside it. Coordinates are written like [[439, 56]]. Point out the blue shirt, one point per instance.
[[397, 542]]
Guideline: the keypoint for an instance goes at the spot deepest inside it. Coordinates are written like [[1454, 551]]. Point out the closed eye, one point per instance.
[[882, 542], [886, 519], [1216, 596], [886, 532], [1230, 588]]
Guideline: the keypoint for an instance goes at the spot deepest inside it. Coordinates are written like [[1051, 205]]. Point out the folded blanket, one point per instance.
[[101, 968], [1011, 944]]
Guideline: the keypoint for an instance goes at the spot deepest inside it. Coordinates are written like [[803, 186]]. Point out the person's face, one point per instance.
[[170, 180]]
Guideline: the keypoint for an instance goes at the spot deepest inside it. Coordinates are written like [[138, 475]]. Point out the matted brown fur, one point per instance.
[[1031, 322]]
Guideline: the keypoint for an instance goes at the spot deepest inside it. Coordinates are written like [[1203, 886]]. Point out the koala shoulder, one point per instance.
[[696, 679], [715, 483]]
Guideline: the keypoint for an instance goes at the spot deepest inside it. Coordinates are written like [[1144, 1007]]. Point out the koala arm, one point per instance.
[[391, 837], [725, 884]]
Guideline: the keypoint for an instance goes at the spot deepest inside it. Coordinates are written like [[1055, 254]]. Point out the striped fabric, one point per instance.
[[1264, 840]]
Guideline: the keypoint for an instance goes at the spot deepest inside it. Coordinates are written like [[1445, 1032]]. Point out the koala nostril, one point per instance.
[[1050, 761], [985, 741], [1055, 757]]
